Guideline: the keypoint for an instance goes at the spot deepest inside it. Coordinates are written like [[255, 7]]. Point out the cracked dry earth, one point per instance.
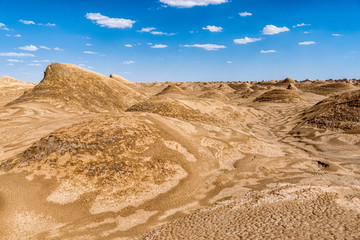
[[178, 166]]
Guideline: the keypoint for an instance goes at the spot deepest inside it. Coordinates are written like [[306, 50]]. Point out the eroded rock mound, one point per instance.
[[113, 157], [11, 88], [340, 111], [76, 88], [279, 96], [172, 89], [324, 88]]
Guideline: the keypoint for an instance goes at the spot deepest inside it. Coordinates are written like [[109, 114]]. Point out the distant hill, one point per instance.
[[77, 88]]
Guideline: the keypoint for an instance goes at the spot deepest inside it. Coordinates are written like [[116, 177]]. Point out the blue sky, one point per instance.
[[183, 40]]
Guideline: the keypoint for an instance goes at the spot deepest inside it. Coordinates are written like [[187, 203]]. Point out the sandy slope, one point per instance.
[[184, 161]]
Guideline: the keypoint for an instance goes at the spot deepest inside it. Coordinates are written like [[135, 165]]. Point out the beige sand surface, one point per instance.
[[85, 156]]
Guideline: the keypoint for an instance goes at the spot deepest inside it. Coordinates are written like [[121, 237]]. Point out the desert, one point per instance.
[[179, 120], [178, 160]]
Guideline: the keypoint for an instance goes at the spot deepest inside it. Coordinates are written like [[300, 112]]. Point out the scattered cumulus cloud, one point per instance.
[[246, 40], [31, 48], [13, 54], [208, 47], [151, 30], [268, 51], [213, 28], [159, 46], [88, 44], [161, 33], [147, 29], [3, 27], [27, 22], [245, 14], [47, 24], [336, 34], [108, 22], [44, 47], [39, 61], [58, 49], [272, 30], [16, 35], [192, 3], [15, 60], [128, 62], [229, 62], [307, 43], [306, 32], [128, 45], [10, 64], [301, 25], [34, 64], [90, 52]]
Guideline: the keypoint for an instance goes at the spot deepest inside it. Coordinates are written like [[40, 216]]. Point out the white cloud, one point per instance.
[[39, 61], [108, 22], [208, 47], [191, 3], [128, 45], [35, 64], [12, 54], [31, 48], [336, 34], [17, 35], [88, 44], [268, 51], [159, 46], [27, 22], [90, 52], [58, 49], [14, 60], [128, 62], [245, 14], [160, 33], [272, 30], [306, 32], [229, 62], [48, 24], [307, 43], [44, 47], [213, 28], [246, 40], [10, 64], [3, 27], [147, 29], [301, 25]]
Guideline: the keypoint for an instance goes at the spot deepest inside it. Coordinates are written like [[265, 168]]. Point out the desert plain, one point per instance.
[[87, 156]]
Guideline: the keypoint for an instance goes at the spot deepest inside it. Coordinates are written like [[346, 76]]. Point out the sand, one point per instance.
[[85, 156]]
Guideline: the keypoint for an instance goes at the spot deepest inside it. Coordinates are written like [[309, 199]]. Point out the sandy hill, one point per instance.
[[340, 111], [11, 88], [97, 155], [172, 89], [77, 88], [279, 96], [173, 108], [285, 82], [325, 88]]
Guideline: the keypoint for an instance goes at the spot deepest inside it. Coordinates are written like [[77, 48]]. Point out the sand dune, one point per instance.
[[85, 156]]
